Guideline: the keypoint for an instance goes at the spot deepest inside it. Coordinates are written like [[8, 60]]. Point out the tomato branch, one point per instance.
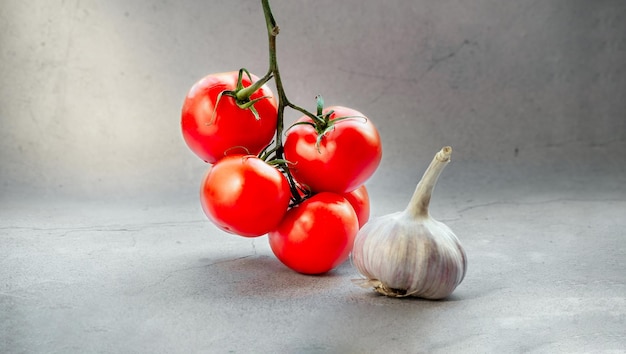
[[283, 101]]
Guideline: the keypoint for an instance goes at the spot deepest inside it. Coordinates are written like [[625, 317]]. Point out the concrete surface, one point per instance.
[[546, 275], [104, 247]]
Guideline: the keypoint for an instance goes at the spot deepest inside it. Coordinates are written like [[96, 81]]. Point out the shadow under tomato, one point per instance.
[[265, 276]]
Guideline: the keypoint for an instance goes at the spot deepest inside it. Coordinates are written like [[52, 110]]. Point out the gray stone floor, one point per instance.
[[546, 275]]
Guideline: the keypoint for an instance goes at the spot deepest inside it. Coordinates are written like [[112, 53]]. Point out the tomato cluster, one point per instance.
[[312, 201]]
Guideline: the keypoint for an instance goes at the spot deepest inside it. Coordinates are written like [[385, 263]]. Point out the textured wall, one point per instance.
[[91, 90]]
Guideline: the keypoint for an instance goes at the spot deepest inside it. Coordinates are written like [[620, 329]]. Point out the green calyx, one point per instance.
[[322, 122], [242, 94]]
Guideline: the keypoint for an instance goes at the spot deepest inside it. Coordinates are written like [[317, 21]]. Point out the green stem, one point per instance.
[[301, 110], [272, 32]]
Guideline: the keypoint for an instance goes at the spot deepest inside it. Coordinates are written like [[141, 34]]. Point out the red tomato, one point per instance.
[[244, 195], [345, 157], [316, 235], [360, 201], [211, 133]]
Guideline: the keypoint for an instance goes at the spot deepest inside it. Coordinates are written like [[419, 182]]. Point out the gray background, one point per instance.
[[103, 246]]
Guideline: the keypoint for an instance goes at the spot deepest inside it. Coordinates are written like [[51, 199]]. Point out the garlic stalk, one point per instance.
[[409, 253]]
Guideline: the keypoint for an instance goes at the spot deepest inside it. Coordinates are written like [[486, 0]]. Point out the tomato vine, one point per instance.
[[276, 153], [303, 186]]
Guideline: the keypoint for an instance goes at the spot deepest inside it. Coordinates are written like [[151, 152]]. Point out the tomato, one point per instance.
[[316, 235], [342, 160], [360, 201], [212, 132], [244, 195]]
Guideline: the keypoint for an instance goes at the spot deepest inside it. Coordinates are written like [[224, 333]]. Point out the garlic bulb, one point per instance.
[[408, 253]]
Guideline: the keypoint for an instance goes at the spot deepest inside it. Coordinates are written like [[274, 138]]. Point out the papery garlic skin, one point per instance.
[[407, 260], [409, 253]]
